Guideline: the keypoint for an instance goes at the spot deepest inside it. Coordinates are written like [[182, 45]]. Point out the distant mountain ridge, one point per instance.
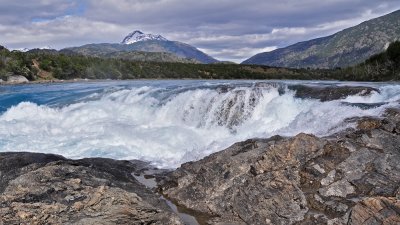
[[345, 48], [137, 41], [27, 49]]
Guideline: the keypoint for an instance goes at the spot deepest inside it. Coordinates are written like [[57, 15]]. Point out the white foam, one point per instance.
[[388, 93], [169, 128]]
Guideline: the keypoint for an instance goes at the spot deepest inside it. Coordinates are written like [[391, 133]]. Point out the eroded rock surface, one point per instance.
[[349, 178], [49, 189]]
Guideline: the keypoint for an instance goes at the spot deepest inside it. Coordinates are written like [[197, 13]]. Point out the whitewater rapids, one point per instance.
[[169, 122]]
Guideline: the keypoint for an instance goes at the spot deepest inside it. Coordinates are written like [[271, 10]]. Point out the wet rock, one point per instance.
[[49, 189], [248, 183], [298, 180], [330, 93], [223, 88], [369, 123]]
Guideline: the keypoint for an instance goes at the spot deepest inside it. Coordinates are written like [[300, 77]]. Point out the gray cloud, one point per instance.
[[226, 29], [21, 12]]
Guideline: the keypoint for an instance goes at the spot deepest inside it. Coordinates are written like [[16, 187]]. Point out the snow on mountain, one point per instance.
[[137, 36], [47, 47], [138, 41], [22, 49]]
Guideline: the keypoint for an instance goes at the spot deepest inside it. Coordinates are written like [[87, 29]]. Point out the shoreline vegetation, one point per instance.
[[53, 66]]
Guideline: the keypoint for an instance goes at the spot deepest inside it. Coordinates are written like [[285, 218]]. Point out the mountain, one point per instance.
[[131, 56], [345, 48], [148, 57], [138, 41], [22, 49], [137, 36], [27, 49]]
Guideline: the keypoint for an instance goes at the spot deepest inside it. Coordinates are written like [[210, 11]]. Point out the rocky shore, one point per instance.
[[352, 177], [49, 189], [349, 178]]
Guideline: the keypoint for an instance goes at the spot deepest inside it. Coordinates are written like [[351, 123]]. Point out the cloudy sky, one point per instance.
[[225, 29]]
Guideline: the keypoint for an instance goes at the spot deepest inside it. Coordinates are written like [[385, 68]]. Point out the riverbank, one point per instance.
[[351, 177], [50, 81]]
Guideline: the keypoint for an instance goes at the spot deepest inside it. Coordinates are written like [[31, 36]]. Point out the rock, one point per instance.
[[17, 79], [248, 183], [369, 123], [49, 189], [299, 180], [341, 188], [330, 93], [329, 178], [377, 210]]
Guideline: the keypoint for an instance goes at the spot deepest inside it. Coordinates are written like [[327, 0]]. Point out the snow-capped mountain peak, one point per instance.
[[137, 36]]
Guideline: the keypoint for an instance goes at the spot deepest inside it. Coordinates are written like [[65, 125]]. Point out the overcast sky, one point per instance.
[[225, 29]]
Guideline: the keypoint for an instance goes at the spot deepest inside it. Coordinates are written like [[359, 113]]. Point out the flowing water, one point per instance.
[[170, 122]]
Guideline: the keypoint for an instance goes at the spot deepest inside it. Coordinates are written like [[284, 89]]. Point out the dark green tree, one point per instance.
[[393, 52]]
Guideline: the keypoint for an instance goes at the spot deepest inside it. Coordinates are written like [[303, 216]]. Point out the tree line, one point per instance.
[[381, 67]]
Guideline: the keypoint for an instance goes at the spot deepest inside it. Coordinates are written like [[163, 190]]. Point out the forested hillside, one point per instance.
[[343, 49], [380, 67], [51, 65]]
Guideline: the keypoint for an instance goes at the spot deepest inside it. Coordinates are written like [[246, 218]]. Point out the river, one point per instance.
[[169, 122]]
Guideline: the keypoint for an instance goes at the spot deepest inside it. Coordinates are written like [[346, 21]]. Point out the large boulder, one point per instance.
[[49, 189], [349, 178], [17, 79]]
